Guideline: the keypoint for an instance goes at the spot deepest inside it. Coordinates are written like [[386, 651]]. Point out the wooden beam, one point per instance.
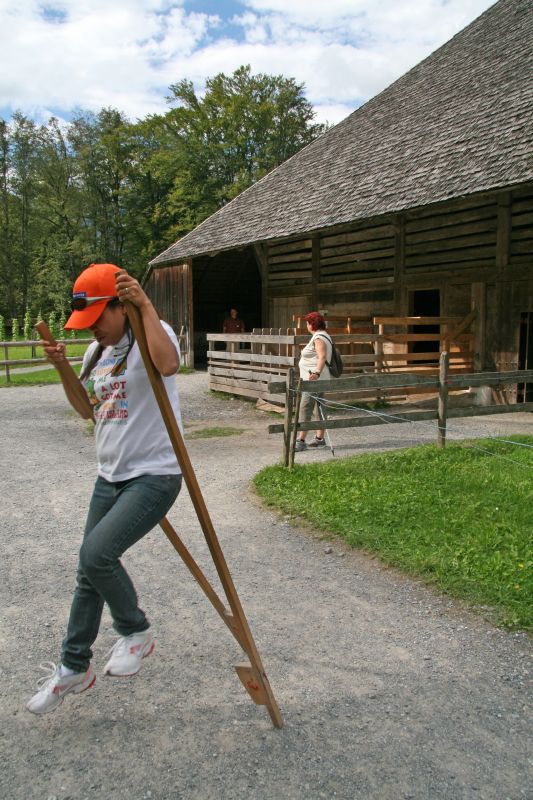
[[503, 234], [315, 271], [407, 416], [399, 261]]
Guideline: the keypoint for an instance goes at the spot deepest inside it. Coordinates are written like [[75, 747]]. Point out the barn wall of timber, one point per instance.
[[168, 289], [476, 251]]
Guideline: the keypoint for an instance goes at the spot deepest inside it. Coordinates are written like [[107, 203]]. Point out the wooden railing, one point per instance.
[[249, 361], [7, 363], [357, 414]]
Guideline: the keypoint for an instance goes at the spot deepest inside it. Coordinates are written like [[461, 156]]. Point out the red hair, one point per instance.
[[316, 321]]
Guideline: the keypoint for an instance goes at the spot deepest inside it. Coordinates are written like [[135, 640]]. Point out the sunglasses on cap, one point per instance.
[[79, 303]]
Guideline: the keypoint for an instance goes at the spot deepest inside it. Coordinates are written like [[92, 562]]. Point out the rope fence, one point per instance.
[[443, 384]]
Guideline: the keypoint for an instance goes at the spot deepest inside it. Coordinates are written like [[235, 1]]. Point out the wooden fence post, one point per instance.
[[295, 422], [443, 397], [6, 354], [289, 405]]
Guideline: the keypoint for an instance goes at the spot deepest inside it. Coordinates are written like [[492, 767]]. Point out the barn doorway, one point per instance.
[[424, 303], [228, 280], [525, 355]]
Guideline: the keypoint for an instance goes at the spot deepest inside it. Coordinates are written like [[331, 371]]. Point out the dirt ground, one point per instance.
[[388, 691]]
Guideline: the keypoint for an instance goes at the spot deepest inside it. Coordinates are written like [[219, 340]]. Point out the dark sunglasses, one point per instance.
[[79, 303]]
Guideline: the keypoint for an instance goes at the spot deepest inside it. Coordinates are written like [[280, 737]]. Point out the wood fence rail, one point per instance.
[[7, 362], [354, 384], [245, 363]]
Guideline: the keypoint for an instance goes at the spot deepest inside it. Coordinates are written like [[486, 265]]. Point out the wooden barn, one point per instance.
[[419, 203]]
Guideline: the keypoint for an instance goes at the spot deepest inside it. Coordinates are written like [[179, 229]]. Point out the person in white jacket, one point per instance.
[[313, 366]]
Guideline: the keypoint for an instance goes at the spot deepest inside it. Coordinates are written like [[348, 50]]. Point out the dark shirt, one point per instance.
[[233, 325]]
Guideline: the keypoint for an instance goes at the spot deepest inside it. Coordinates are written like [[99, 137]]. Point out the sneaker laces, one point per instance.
[[120, 647], [48, 680]]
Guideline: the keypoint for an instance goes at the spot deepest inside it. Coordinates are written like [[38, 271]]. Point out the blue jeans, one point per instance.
[[119, 515]]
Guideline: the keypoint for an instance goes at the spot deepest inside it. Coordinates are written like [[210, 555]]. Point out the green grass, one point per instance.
[[37, 378], [460, 518], [44, 376], [210, 433], [16, 353], [221, 395]]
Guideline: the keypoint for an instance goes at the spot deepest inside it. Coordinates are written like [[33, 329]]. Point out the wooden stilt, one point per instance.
[[253, 676]]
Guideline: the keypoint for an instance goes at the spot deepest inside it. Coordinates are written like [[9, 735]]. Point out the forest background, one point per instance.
[[103, 188]]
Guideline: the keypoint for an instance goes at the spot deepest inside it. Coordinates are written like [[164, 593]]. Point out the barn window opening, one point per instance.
[[425, 303]]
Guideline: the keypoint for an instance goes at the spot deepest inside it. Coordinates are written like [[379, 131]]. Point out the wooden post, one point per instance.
[[295, 425], [6, 354], [443, 398], [289, 405], [379, 349]]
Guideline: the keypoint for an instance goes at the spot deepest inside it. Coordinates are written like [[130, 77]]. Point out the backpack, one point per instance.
[[335, 364]]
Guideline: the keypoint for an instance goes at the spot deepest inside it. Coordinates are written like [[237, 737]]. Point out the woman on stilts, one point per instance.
[[138, 475]]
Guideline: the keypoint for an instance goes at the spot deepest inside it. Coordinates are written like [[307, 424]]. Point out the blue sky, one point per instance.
[[59, 55]]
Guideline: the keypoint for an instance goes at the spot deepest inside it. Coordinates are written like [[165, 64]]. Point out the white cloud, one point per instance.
[[64, 54]]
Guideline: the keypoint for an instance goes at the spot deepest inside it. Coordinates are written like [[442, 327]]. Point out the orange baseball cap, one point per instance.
[[92, 291]]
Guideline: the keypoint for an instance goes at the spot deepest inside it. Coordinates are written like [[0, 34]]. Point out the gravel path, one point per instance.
[[388, 691]]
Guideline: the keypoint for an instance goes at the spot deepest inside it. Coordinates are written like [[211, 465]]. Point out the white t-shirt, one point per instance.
[[308, 357], [131, 437]]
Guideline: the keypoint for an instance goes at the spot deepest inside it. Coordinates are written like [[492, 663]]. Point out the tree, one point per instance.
[[243, 127], [23, 155], [103, 147], [104, 189], [7, 302]]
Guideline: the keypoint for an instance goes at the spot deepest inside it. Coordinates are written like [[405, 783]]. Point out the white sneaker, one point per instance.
[[53, 688], [128, 652]]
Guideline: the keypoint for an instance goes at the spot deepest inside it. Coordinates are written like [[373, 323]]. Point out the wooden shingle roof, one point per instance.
[[459, 122]]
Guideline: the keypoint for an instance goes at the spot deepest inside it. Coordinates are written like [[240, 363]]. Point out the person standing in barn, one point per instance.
[[232, 323]]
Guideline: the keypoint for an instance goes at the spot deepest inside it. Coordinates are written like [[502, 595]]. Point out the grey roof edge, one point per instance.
[[294, 234]]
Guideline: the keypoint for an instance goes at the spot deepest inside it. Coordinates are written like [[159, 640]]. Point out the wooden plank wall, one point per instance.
[[476, 251], [169, 289], [455, 240], [289, 263], [521, 234], [460, 237], [365, 252]]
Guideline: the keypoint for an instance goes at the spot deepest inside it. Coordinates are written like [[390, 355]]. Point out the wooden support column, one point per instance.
[[508, 330], [262, 264], [504, 339], [400, 294], [315, 270], [479, 305], [189, 361]]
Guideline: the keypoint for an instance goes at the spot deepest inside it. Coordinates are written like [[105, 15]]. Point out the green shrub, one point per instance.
[[52, 324], [27, 325]]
